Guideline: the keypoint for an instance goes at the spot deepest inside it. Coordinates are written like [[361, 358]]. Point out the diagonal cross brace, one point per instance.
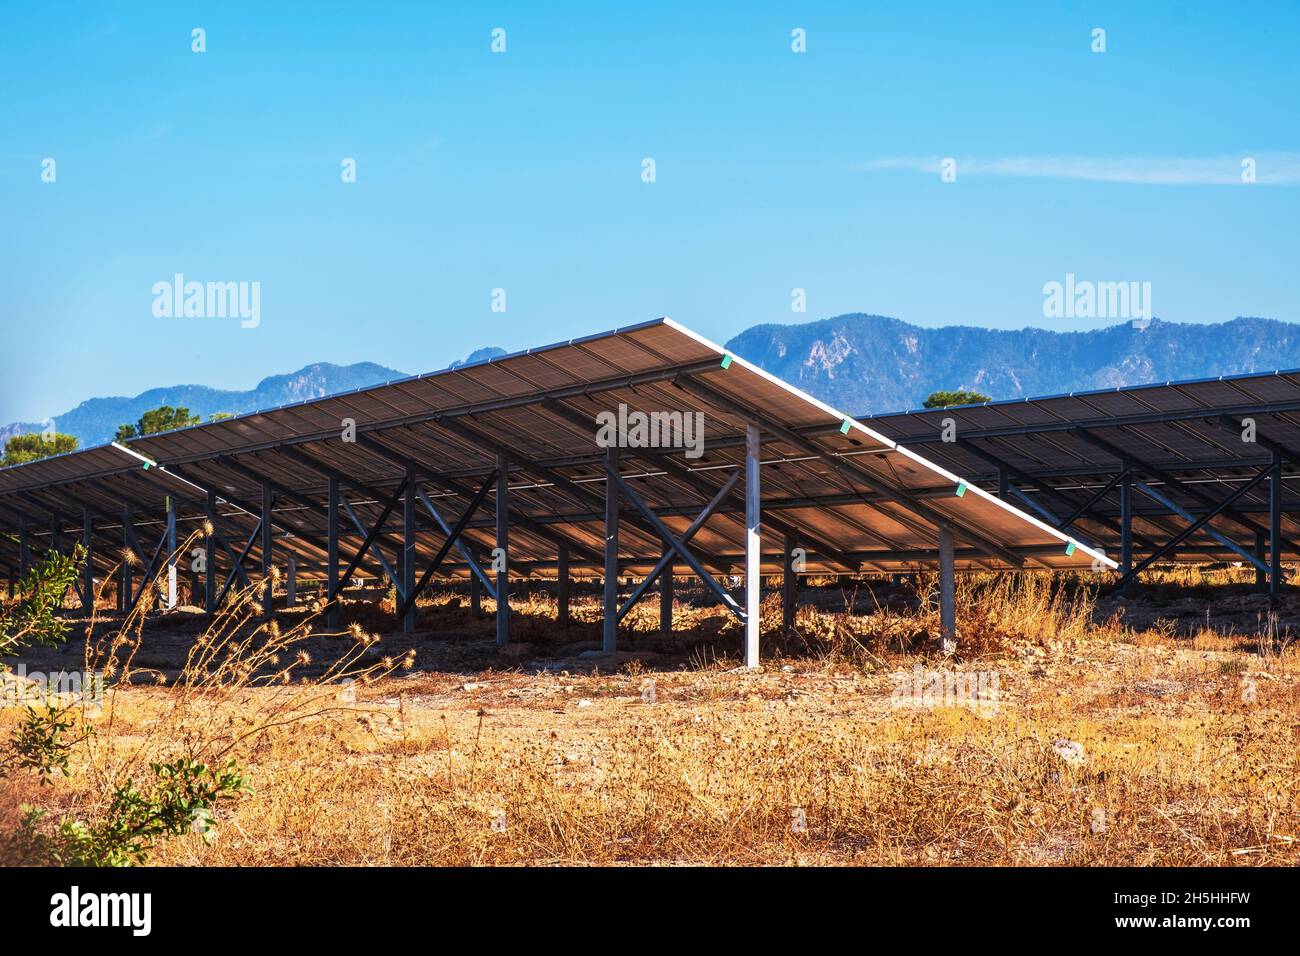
[[372, 535], [1164, 476], [374, 546], [226, 546], [150, 570], [689, 533], [665, 460], [238, 568], [465, 552], [452, 485], [1191, 529], [447, 545], [670, 539], [561, 482], [1222, 539]]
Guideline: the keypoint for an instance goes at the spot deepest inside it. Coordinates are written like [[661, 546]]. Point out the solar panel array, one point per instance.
[[1193, 443], [850, 497]]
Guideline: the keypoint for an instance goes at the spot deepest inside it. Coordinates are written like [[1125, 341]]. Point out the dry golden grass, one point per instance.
[[1189, 742]]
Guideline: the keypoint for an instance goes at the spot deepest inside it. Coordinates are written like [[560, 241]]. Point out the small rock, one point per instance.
[[1070, 752], [584, 702]]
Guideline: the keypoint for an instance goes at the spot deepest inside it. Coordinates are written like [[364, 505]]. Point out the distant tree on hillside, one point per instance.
[[944, 399], [161, 419], [33, 445], [218, 416]]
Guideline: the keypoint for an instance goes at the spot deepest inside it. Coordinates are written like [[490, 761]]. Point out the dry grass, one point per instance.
[[1190, 741]]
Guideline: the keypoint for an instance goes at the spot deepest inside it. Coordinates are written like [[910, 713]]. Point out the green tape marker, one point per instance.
[[726, 361], [1069, 547], [845, 426], [961, 489]]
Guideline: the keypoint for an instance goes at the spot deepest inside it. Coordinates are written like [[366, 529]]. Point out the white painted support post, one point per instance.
[[291, 582], [753, 543], [947, 591], [172, 600], [610, 642], [501, 558]]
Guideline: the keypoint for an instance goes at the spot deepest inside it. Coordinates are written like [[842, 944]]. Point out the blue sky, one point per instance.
[[522, 171]]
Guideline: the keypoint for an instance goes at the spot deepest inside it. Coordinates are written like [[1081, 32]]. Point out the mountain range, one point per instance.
[[869, 364], [863, 364]]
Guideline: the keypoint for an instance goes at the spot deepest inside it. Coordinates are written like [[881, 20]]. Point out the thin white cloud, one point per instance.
[[1270, 168]]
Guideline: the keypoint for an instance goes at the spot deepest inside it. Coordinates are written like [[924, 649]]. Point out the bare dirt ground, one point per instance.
[[1060, 733]]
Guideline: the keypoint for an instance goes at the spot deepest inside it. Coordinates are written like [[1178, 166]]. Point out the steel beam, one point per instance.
[[129, 544], [753, 542], [413, 590], [663, 459], [671, 540], [666, 596], [88, 543], [1125, 521], [789, 583], [947, 591], [408, 551], [665, 563], [1223, 540], [171, 553], [1165, 477], [393, 574], [373, 533], [562, 585], [237, 559], [502, 557], [560, 482], [456, 487], [610, 625], [852, 473], [210, 556], [332, 550], [476, 571], [268, 540], [1191, 529], [1275, 542]]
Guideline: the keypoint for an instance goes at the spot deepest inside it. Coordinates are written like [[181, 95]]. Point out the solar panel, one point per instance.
[[861, 500]]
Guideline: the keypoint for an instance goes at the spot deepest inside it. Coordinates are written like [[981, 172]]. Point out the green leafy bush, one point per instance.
[[33, 619], [181, 798]]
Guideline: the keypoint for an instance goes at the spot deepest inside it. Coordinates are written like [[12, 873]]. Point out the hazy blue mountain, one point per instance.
[[871, 364], [96, 420], [479, 355]]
